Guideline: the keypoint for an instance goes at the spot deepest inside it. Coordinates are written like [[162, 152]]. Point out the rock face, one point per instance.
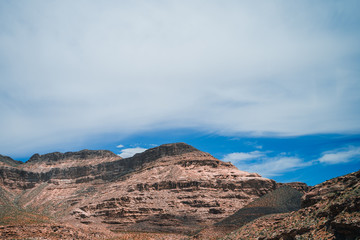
[[330, 210], [173, 187]]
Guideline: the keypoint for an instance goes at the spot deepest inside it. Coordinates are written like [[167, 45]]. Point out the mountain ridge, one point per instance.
[[5, 160], [169, 188], [79, 155]]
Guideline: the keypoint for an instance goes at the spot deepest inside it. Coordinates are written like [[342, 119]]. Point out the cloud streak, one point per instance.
[[265, 165], [241, 156], [340, 155], [129, 152], [269, 166], [71, 70]]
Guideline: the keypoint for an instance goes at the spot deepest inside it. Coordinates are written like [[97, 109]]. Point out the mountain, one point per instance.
[[170, 188], [8, 161], [330, 210]]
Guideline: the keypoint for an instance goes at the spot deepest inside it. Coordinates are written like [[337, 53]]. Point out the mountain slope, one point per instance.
[[282, 200], [330, 210], [8, 161]]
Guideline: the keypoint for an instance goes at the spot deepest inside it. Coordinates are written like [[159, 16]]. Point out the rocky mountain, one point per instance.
[[173, 187], [8, 161], [330, 210]]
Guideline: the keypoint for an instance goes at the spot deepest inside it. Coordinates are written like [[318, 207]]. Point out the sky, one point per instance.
[[271, 86]]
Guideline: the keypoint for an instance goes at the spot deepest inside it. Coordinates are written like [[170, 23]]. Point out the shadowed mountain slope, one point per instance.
[[282, 200]]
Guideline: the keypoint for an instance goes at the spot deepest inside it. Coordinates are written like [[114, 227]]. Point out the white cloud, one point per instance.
[[241, 156], [72, 70], [267, 166], [341, 155], [276, 166], [129, 152], [120, 146]]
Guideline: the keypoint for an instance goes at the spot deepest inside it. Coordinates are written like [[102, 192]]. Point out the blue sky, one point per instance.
[[272, 86]]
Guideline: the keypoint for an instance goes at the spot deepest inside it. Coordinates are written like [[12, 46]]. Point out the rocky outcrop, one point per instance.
[[329, 210], [330, 189]]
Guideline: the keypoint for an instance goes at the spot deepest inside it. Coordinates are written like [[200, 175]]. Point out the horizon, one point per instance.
[[272, 87], [255, 155]]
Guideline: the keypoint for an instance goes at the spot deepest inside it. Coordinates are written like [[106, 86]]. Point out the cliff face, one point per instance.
[[330, 210], [82, 166], [173, 187]]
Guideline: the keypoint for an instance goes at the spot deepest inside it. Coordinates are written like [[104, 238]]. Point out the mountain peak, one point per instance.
[[169, 149]]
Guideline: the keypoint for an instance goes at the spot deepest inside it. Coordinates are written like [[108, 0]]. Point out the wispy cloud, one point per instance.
[[270, 166], [129, 152], [120, 146], [276, 166], [71, 70], [241, 156], [341, 155], [253, 144], [267, 166]]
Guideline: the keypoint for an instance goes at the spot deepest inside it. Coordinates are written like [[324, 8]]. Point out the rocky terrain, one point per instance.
[[330, 210], [173, 191], [8, 161], [170, 188], [282, 200]]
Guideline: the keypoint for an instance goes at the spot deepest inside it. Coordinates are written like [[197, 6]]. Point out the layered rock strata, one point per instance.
[[173, 187]]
